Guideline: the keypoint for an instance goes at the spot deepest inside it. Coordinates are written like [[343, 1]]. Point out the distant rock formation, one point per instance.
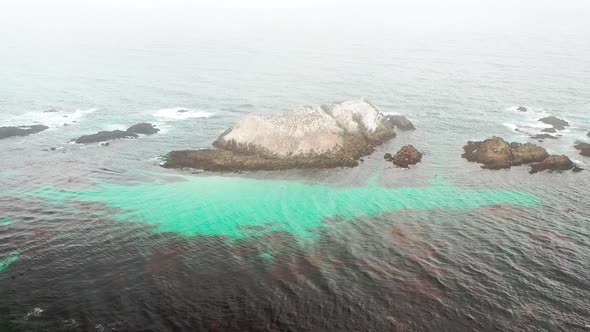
[[334, 135], [521, 109], [584, 148], [132, 132], [552, 163], [496, 153], [557, 123], [406, 156], [6, 132], [401, 122]]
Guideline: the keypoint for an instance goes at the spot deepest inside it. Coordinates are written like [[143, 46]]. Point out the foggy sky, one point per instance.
[[42, 19]]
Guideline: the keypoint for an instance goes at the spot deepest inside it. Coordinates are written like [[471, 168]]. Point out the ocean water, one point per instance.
[[96, 238]]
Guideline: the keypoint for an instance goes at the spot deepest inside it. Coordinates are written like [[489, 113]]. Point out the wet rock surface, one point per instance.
[[401, 122], [556, 122], [132, 132], [6, 132], [406, 156], [143, 128], [333, 135], [552, 163], [584, 148], [496, 153]]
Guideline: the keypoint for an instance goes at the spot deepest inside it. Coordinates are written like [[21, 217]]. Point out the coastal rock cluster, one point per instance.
[[132, 132], [334, 135], [406, 156], [556, 124], [495, 153], [6, 132]]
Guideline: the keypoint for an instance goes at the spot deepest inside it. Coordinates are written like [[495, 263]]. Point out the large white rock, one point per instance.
[[306, 130]]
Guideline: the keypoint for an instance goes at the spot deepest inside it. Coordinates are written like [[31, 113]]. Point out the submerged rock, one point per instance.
[[328, 136], [584, 148], [552, 163], [496, 153], [132, 132], [401, 122], [406, 156], [521, 109], [6, 132], [556, 122], [549, 130], [388, 157], [543, 136]]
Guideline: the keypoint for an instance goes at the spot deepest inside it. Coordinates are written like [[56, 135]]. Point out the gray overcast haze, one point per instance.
[[68, 19]]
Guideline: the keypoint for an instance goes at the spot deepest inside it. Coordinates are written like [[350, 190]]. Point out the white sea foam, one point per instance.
[[179, 113], [511, 126], [56, 118]]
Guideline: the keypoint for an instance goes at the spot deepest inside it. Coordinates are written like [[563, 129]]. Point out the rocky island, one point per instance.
[[333, 135], [495, 153]]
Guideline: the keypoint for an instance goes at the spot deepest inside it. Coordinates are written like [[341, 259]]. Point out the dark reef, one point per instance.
[[6, 132], [132, 132]]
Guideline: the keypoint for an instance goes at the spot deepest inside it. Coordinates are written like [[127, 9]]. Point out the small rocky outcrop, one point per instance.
[[588, 134], [549, 130], [406, 156], [552, 163], [556, 122], [143, 129], [401, 122], [132, 132], [6, 132], [584, 148], [496, 153], [521, 109], [334, 135]]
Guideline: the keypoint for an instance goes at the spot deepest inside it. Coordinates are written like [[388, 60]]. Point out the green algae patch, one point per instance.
[[6, 261], [241, 207], [4, 222]]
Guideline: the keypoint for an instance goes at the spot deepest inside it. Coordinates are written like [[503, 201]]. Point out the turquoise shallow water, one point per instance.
[[9, 259], [241, 207]]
